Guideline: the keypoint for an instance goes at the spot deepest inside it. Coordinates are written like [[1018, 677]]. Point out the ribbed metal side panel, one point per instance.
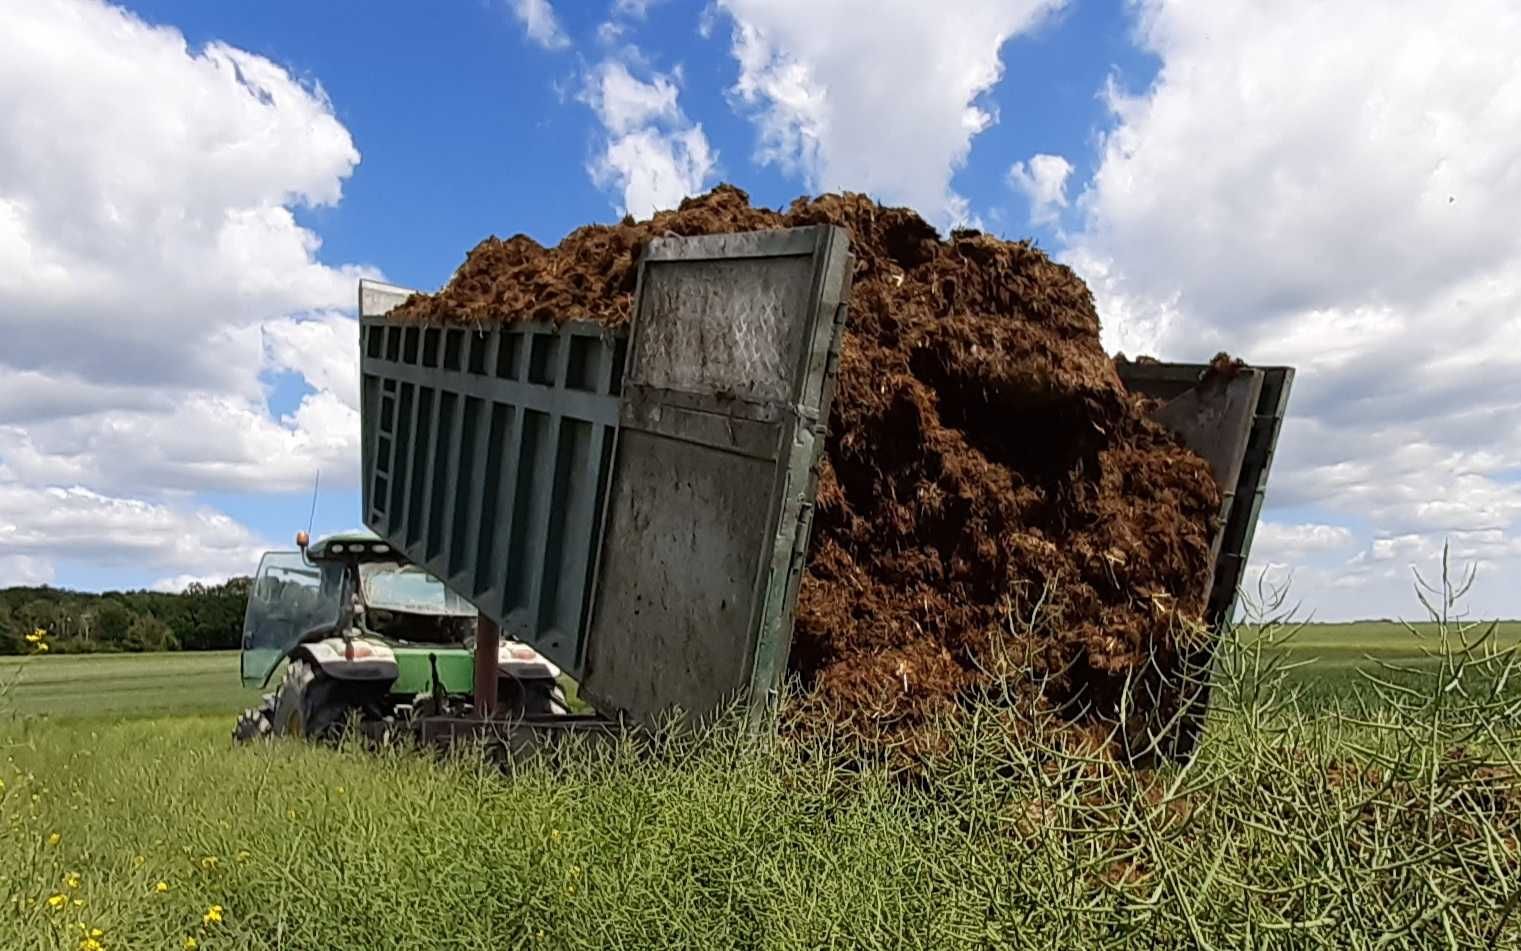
[[485, 460]]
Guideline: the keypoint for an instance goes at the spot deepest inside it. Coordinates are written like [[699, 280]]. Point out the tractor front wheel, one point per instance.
[[311, 705], [256, 723]]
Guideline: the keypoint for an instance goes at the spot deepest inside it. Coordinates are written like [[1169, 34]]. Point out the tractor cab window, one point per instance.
[[411, 590], [406, 603], [289, 600]]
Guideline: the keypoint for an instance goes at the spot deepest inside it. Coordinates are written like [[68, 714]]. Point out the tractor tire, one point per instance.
[[256, 723], [546, 698], [532, 698], [313, 706]]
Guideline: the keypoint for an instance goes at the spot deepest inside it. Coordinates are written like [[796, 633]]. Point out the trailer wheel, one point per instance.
[[256, 723], [313, 706]]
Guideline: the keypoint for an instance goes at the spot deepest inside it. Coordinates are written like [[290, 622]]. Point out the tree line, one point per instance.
[[202, 617]]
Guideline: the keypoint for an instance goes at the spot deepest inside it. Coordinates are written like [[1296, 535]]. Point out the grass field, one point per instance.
[[139, 685], [125, 811], [108, 686]]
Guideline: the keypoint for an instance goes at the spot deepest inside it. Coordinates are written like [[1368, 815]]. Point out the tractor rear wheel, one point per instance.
[[313, 706]]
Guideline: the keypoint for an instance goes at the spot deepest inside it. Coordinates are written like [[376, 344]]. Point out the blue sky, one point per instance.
[[1223, 178], [465, 129]]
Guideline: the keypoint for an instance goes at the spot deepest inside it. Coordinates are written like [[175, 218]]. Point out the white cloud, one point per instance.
[[1043, 182], [207, 442], [623, 103], [39, 525], [540, 23], [1333, 187], [707, 19], [16, 570], [874, 96], [152, 269], [324, 349], [637, 9], [610, 32], [653, 156], [1278, 540]]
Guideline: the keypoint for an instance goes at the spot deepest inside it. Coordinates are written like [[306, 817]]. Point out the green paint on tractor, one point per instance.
[[414, 669]]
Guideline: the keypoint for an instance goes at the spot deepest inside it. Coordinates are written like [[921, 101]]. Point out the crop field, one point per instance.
[[1323, 811]]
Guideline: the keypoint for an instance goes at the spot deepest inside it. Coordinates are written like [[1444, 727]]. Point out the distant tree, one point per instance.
[[37, 613], [148, 633], [112, 621], [202, 617], [10, 631]]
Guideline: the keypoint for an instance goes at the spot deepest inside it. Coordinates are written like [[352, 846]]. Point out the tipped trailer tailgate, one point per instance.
[[1232, 419]]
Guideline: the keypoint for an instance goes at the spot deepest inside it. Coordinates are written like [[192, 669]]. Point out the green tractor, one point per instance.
[[365, 634]]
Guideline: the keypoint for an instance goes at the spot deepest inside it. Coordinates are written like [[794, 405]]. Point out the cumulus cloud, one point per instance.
[[637, 9], [152, 271], [25, 570], [324, 349], [1043, 182], [1280, 541], [38, 525], [540, 23], [1332, 187], [652, 156], [874, 96]]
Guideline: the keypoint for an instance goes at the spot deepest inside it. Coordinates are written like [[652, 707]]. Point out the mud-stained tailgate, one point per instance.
[[731, 367]]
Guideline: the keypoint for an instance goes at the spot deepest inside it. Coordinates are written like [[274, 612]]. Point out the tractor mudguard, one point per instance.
[[350, 660]]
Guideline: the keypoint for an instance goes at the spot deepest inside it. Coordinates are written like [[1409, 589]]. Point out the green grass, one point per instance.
[[1353, 643], [1338, 658], [1297, 828], [109, 686]]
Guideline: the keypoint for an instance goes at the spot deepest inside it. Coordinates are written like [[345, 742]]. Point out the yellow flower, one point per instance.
[[71, 879], [58, 901], [89, 944], [191, 944], [41, 648], [79, 903], [209, 862], [54, 839], [213, 915], [243, 855], [554, 835], [339, 790], [161, 887]]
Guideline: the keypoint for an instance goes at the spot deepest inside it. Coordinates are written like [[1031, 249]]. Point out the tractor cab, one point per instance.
[[352, 583]]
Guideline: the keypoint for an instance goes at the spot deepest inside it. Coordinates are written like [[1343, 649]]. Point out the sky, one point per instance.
[[189, 193]]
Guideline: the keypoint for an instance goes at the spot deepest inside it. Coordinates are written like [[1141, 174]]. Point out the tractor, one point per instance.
[[366, 636]]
